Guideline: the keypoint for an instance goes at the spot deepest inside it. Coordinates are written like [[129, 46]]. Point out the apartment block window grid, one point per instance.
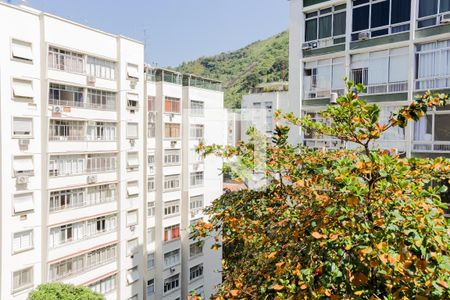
[[22, 241], [172, 182], [151, 210], [196, 204], [197, 131], [65, 60], [380, 18], [326, 26], [171, 283], [133, 276], [68, 130], [23, 166], [197, 178], [433, 65], [21, 51], [22, 279], [172, 258], [22, 127], [150, 287], [197, 108], [196, 272], [22, 90], [82, 197], [101, 68], [132, 246], [195, 249], [151, 184], [172, 105], [172, 208], [150, 261], [151, 235], [381, 71], [172, 130], [431, 134], [431, 12], [105, 285], [323, 77], [70, 165], [172, 157], [172, 233]]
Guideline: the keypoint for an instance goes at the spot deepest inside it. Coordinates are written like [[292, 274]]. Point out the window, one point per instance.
[[22, 127], [381, 71], [172, 233], [323, 77], [195, 249], [151, 163], [151, 184], [22, 279], [23, 165], [105, 285], [102, 100], [430, 11], [133, 160], [22, 241], [171, 283], [151, 130], [132, 275], [132, 246], [66, 130], [172, 105], [373, 16], [132, 218], [68, 95], [196, 202], [23, 203], [150, 261], [64, 60], [431, 133], [197, 108], [172, 130], [101, 68], [433, 65], [172, 157], [133, 101], [197, 178], [132, 130], [196, 272], [172, 208], [151, 235], [151, 103], [172, 182], [21, 50], [132, 71], [195, 157], [150, 287], [172, 258], [197, 131], [326, 23], [151, 209], [22, 89]]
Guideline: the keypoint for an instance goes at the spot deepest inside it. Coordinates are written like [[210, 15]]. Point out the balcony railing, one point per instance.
[[66, 62], [384, 88], [59, 167], [430, 146], [78, 131], [82, 104], [436, 82]]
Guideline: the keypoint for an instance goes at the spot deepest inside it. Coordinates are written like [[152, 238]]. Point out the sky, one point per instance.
[[178, 30]]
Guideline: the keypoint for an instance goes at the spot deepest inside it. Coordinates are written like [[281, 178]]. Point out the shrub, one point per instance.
[[60, 291]]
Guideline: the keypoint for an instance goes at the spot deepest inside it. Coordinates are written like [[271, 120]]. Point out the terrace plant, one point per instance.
[[334, 224]]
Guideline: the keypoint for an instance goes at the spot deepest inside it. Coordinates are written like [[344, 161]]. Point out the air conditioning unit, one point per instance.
[[195, 167], [133, 82], [306, 46], [326, 42], [445, 18], [132, 228], [24, 142], [21, 179], [314, 45], [173, 144], [92, 179], [333, 98], [172, 269], [91, 79], [132, 142], [363, 36], [57, 109]]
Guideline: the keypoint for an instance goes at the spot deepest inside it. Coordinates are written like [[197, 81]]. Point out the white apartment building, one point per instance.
[[76, 169], [182, 111], [259, 106], [397, 48]]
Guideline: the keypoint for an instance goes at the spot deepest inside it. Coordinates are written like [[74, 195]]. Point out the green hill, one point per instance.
[[240, 70]]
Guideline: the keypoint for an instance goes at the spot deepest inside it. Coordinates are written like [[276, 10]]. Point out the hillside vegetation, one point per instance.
[[241, 70]]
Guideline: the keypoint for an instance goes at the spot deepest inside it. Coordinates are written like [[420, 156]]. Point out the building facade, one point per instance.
[[78, 177], [396, 48]]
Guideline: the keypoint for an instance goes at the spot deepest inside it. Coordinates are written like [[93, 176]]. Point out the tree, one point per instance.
[[60, 291], [335, 224]]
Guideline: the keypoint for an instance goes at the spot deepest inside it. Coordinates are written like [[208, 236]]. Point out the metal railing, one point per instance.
[[66, 62], [435, 82]]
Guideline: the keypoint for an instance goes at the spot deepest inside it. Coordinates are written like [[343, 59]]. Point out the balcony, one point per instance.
[[433, 83]]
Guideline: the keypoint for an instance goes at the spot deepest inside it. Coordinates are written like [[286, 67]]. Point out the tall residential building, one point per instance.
[[87, 197], [397, 48]]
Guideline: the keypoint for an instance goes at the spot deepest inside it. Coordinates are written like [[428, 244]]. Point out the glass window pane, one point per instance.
[[445, 6], [400, 11], [442, 128], [325, 27], [379, 15], [427, 8], [339, 24], [361, 18], [311, 30]]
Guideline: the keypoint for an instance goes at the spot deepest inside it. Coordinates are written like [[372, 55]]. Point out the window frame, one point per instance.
[[22, 136]]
